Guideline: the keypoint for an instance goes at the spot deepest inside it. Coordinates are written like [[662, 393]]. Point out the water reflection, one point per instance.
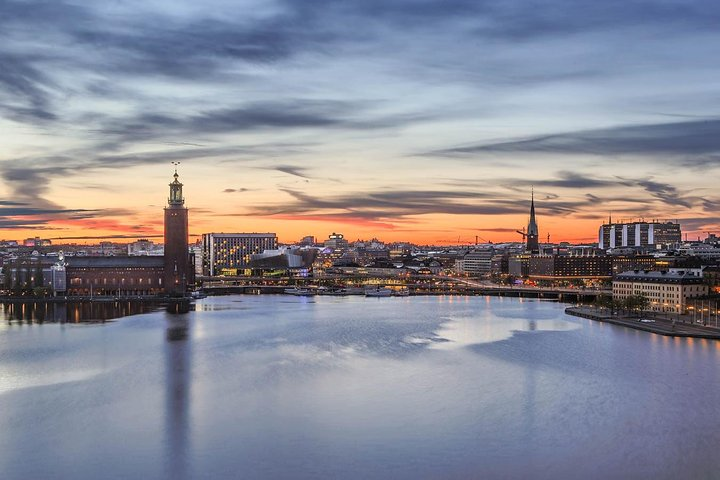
[[72, 312], [177, 395], [350, 388]]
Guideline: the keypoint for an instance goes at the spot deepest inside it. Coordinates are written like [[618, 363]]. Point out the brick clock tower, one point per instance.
[[177, 258]]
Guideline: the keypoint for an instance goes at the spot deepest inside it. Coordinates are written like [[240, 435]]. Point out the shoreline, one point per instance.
[[658, 326], [95, 299]]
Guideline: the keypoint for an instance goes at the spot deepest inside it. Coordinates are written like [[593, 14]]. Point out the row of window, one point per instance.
[[113, 281]]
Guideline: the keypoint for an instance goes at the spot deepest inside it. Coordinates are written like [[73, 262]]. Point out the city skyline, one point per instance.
[[410, 120]]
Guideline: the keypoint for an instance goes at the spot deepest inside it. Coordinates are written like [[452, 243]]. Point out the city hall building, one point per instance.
[[172, 274]]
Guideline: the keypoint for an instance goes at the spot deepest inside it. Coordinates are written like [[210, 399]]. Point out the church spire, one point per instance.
[[532, 224], [532, 230]]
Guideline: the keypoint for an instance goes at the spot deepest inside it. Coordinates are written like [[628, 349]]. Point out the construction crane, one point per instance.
[[522, 232], [477, 237]]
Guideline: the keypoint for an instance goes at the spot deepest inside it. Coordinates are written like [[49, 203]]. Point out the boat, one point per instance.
[[404, 292], [378, 292], [300, 292], [335, 291]]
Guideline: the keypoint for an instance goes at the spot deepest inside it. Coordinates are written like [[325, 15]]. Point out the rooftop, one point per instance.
[[664, 276]]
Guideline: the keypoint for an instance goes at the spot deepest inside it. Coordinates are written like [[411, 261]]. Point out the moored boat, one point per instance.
[[378, 292], [300, 292]]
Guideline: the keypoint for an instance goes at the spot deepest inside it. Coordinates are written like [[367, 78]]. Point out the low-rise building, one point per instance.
[[708, 253], [284, 260], [145, 247], [667, 290]]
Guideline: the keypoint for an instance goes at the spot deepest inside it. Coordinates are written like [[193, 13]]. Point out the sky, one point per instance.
[[426, 121]]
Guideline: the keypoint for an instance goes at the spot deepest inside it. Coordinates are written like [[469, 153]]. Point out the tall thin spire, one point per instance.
[[533, 245], [532, 224]]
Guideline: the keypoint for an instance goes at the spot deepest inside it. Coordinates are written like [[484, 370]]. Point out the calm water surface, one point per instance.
[[421, 387]]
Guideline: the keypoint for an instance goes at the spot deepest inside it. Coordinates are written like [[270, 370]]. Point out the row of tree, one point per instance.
[[28, 280], [632, 304]]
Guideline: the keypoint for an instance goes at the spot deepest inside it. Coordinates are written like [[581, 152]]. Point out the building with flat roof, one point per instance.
[[643, 235], [570, 266], [231, 253], [476, 262]]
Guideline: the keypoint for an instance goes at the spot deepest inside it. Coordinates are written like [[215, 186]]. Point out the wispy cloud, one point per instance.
[[699, 139]]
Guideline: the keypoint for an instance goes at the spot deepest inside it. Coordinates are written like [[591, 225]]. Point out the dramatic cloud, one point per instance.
[[600, 106], [388, 205]]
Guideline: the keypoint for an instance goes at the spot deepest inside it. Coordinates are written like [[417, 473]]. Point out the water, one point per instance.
[[419, 387]]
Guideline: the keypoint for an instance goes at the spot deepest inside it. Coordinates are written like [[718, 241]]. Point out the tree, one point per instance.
[[39, 277], [636, 303], [27, 281], [7, 278], [17, 286], [616, 306], [604, 301], [39, 291]]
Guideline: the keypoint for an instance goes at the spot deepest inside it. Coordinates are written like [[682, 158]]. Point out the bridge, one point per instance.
[[426, 285]]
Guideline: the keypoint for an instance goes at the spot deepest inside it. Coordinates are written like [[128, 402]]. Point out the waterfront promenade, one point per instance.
[[653, 323]]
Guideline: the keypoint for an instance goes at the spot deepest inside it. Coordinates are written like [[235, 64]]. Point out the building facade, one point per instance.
[[667, 290], [648, 235], [231, 253], [118, 276], [88, 276], [570, 266], [519, 265], [476, 262]]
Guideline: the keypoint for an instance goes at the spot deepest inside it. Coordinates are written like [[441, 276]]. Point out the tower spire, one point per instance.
[[176, 196], [532, 204], [533, 245]]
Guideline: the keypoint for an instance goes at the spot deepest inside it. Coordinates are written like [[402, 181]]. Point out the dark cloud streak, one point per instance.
[[695, 142]]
